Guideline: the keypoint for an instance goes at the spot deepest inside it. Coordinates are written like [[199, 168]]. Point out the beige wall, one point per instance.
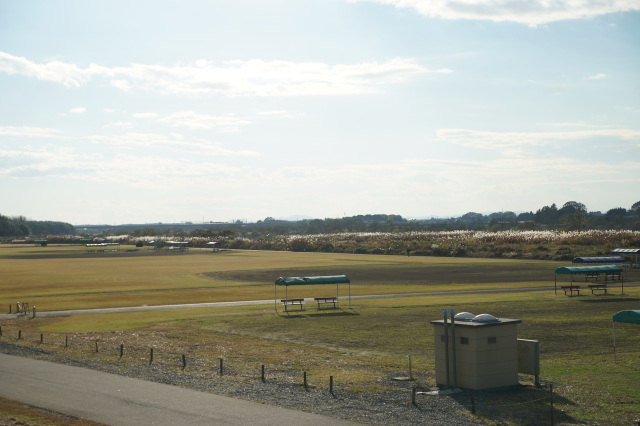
[[480, 364]]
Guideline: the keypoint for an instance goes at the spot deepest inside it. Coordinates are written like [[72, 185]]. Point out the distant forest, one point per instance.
[[19, 227], [572, 216]]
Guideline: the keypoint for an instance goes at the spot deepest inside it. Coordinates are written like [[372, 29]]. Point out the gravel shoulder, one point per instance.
[[388, 407]]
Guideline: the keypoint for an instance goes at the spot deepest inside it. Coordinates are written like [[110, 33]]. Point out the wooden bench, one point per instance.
[[591, 275], [571, 289], [326, 300], [595, 287]]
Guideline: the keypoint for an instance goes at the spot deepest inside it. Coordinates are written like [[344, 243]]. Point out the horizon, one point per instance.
[[148, 112], [297, 218]]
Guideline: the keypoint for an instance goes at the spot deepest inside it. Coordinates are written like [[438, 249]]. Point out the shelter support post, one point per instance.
[[446, 347], [614, 342], [453, 348]]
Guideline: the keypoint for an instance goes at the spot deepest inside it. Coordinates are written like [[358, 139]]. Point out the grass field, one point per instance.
[[67, 277], [363, 347]]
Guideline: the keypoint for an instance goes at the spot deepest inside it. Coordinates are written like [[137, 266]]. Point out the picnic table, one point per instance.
[[613, 276], [326, 301], [291, 302], [594, 287], [570, 289]]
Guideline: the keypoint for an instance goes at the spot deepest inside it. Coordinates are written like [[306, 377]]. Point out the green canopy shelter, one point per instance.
[[588, 270], [331, 279], [632, 317]]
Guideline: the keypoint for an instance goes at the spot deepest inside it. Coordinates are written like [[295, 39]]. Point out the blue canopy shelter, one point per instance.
[[599, 260], [608, 271], [332, 279], [632, 317], [628, 251]]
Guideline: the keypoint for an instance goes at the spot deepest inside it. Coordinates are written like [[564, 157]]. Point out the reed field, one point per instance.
[[363, 347]]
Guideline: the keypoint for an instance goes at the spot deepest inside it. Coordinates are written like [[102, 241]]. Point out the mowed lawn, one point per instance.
[[63, 277], [363, 347]]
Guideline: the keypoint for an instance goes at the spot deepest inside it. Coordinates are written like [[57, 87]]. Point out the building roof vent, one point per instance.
[[485, 318], [464, 316]]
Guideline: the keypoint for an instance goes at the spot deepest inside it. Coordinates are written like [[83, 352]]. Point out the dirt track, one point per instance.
[[420, 274]]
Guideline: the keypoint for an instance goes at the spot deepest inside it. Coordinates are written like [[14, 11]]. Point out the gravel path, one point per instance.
[[389, 407]]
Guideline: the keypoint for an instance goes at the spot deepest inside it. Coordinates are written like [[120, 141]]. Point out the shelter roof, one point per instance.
[[627, 316], [587, 269], [613, 259], [332, 279], [620, 250]]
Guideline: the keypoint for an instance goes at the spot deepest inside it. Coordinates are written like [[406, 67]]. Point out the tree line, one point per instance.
[[21, 227], [572, 216]]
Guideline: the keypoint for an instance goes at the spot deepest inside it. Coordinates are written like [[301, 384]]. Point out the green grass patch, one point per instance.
[[363, 347]]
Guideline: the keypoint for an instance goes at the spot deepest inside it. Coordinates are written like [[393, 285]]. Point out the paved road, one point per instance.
[[117, 400]]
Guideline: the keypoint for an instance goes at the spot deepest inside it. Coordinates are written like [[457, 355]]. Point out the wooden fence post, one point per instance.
[[19, 334], [221, 367], [151, 356], [263, 372], [551, 400], [330, 384], [121, 349], [184, 362], [306, 387]]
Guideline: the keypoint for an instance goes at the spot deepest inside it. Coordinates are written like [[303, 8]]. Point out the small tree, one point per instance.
[[616, 215], [577, 221]]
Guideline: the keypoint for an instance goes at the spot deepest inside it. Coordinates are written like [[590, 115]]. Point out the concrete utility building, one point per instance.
[[483, 354]]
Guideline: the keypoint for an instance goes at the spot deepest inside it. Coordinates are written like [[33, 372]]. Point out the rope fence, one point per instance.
[[151, 357]]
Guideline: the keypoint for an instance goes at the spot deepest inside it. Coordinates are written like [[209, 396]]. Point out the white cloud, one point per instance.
[[146, 115], [79, 110], [196, 120], [277, 113], [518, 140], [528, 12], [150, 171], [70, 75], [597, 76], [234, 78], [462, 185], [174, 142], [28, 131], [119, 124], [123, 85]]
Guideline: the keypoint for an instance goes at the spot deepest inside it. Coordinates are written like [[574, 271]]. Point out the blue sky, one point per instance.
[[169, 111]]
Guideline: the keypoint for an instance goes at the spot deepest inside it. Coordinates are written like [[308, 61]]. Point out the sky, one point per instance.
[[115, 112]]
